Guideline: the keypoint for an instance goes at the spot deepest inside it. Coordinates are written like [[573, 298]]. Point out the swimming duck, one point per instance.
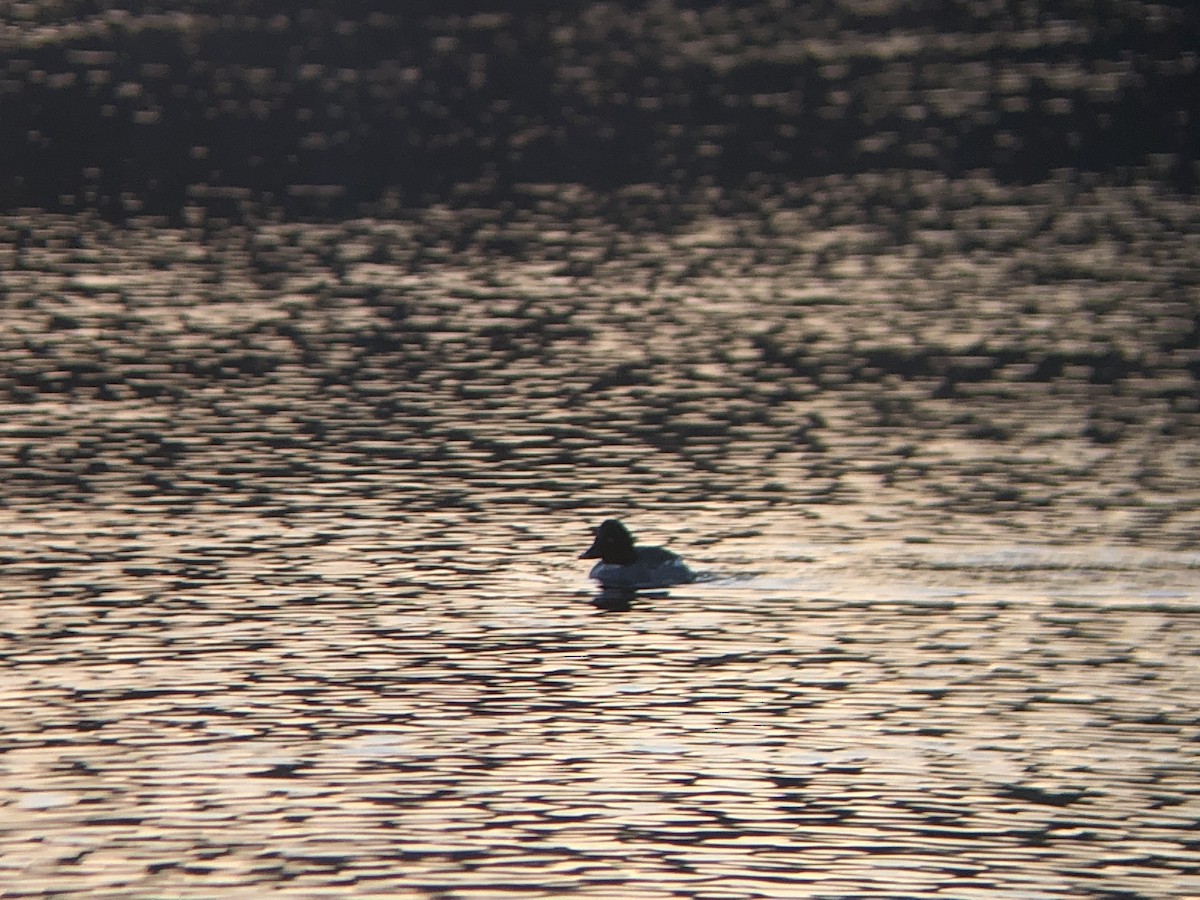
[[622, 565]]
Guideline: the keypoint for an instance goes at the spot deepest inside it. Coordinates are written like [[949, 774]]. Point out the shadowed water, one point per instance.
[[291, 515]]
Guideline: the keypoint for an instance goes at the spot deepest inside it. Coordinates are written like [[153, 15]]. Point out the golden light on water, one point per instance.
[[315, 382]]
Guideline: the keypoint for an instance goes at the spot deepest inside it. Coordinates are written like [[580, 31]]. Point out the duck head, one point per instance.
[[613, 544]]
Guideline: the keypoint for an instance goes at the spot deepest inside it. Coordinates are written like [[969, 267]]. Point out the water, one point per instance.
[[326, 334], [292, 604], [362, 724]]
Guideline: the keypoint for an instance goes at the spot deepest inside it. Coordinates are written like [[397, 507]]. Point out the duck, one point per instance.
[[623, 566]]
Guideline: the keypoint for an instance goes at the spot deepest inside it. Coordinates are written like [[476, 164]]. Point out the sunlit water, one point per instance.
[[291, 602]]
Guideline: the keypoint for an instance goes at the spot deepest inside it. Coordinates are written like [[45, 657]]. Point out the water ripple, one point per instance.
[[291, 600]]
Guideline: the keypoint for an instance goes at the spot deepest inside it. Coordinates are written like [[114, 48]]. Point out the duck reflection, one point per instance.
[[614, 599]]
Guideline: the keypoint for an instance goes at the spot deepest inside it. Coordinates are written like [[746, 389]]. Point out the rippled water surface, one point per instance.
[[327, 331], [290, 518]]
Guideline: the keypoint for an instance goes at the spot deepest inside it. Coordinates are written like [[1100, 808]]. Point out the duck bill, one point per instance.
[[590, 553]]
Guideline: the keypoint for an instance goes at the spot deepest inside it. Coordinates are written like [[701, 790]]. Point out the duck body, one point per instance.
[[624, 566]]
